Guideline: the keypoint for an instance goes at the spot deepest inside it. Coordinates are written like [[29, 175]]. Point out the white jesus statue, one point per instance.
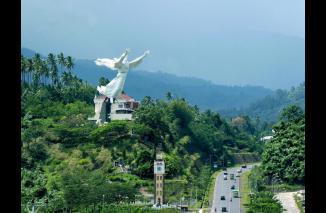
[[122, 65]]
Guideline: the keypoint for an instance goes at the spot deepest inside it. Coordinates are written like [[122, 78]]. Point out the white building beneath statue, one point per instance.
[[121, 109]]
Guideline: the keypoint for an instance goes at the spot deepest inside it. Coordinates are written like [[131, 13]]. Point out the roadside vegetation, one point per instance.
[[244, 189], [283, 162], [70, 164], [299, 202], [211, 186]]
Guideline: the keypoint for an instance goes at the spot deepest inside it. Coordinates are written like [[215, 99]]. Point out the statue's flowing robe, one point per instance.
[[115, 87]]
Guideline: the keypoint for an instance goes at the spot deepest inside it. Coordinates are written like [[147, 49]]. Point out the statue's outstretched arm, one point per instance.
[[105, 62], [123, 56], [138, 60]]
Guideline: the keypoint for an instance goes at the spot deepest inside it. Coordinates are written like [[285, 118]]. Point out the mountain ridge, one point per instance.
[[205, 94]]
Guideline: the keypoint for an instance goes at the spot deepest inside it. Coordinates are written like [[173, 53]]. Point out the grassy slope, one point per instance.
[[244, 189]]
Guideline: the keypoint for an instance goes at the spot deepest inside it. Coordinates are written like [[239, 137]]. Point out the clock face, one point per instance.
[[159, 167]]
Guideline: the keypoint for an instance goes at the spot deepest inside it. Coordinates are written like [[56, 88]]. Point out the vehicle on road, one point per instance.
[[239, 170], [225, 177], [232, 187], [222, 197], [232, 176], [244, 166], [238, 175], [235, 193], [225, 173], [224, 209]]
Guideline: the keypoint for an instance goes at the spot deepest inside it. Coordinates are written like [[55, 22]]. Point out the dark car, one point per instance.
[[224, 209], [244, 166], [232, 187], [222, 197]]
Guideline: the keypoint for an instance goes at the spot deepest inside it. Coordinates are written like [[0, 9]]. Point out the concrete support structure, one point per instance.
[[121, 108]]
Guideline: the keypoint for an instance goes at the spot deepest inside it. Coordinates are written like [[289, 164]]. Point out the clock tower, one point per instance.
[[159, 170]]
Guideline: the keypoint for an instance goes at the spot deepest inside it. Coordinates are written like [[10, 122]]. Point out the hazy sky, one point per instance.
[[104, 28]]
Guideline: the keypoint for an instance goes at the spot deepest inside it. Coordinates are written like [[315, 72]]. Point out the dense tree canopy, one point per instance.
[[71, 163], [284, 155]]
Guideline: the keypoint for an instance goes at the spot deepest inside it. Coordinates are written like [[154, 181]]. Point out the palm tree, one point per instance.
[[66, 78], [23, 67], [30, 69], [37, 61], [69, 63], [53, 70], [45, 71], [61, 61]]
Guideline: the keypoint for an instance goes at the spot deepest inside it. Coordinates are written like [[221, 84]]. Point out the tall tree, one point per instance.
[[66, 79], [44, 71], [30, 69], [23, 67], [169, 96], [284, 154], [37, 61], [61, 61], [53, 69], [292, 113], [69, 64], [103, 81]]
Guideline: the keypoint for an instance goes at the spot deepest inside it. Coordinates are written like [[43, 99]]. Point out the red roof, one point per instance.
[[124, 96]]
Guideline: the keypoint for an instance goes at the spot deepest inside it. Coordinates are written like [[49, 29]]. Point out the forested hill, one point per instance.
[[269, 107], [69, 164], [202, 93]]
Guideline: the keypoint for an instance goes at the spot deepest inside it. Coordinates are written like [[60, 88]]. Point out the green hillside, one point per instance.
[[68, 163], [269, 108]]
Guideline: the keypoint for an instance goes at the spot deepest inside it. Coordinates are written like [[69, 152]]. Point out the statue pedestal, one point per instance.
[[121, 108]]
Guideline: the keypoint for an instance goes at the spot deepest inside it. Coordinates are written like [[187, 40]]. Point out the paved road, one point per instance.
[[223, 188]]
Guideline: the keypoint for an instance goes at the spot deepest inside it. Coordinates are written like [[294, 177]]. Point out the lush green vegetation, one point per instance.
[[264, 202], [282, 167], [299, 202], [68, 163], [284, 155], [267, 110], [244, 188]]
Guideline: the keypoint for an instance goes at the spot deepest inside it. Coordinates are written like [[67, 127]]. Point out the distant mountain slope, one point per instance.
[[156, 84], [202, 93], [269, 107], [27, 52]]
